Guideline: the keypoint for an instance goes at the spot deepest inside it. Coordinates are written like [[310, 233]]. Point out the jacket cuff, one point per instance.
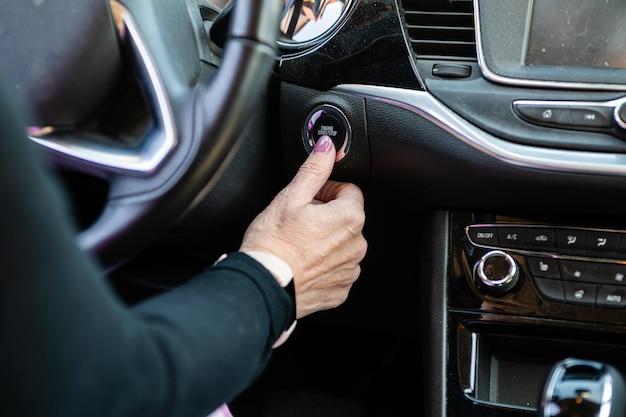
[[279, 305]]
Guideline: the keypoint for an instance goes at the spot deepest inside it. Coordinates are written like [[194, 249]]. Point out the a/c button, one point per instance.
[[512, 237]]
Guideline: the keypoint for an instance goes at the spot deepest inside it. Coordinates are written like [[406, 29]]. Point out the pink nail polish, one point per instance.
[[323, 145]]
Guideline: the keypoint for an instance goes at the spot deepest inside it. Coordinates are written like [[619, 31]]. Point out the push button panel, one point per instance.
[[594, 116], [582, 283], [545, 114], [575, 266], [594, 243]]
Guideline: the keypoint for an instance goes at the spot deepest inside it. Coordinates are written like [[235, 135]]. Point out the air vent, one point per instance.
[[442, 29]]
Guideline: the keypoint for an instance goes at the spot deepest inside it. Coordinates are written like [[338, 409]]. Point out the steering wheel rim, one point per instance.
[[196, 129]]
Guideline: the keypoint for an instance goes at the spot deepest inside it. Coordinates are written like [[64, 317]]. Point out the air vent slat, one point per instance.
[[442, 31]]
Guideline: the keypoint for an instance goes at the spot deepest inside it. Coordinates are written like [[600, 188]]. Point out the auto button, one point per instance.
[[611, 296]]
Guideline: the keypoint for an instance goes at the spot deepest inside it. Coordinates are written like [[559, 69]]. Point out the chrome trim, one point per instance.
[[294, 46], [618, 119], [522, 82], [611, 103], [158, 145], [426, 105], [607, 396], [347, 143], [555, 375], [473, 364], [544, 254], [504, 282]]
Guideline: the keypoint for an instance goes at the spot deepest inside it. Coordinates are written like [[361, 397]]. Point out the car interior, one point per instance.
[[488, 137]]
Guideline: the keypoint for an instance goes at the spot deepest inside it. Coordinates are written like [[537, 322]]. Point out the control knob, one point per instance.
[[496, 272]]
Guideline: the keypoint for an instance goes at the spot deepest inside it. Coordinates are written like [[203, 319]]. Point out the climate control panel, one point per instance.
[[578, 266], [597, 243]]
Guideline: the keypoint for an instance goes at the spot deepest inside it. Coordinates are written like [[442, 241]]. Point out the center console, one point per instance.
[[524, 294]]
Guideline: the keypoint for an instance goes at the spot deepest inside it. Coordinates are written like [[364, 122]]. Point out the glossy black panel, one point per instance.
[[535, 344], [369, 49], [297, 103], [519, 335], [525, 300]]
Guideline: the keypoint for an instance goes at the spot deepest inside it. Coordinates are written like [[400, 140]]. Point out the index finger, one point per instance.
[[334, 190]]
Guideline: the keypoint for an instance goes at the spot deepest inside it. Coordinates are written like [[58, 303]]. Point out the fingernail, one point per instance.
[[323, 145]]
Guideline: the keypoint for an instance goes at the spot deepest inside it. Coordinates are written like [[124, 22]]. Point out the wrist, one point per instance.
[[282, 273], [277, 266]]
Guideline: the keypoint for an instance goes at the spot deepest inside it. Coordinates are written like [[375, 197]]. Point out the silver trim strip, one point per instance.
[[425, 105], [521, 82], [158, 145], [473, 364], [546, 254], [612, 103]]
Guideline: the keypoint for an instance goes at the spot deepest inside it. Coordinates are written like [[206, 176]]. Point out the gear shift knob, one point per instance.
[[581, 388]]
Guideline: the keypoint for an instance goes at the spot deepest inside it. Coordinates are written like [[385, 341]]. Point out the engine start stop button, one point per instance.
[[327, 120]]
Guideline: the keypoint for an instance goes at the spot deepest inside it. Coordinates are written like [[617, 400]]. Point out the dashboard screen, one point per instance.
[[577, 33]]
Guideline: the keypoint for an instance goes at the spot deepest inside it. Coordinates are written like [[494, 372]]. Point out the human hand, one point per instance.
[[314, 225]]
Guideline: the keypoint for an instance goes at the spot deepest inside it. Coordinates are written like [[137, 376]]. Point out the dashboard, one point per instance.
[[510, 116], [489, 136]]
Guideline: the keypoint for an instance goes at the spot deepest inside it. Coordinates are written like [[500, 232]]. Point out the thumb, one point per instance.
[[314, 172]]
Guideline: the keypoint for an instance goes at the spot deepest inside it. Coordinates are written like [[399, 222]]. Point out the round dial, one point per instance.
[[497, 271]]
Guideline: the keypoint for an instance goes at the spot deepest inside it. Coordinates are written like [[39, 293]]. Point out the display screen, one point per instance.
[[577, 33]]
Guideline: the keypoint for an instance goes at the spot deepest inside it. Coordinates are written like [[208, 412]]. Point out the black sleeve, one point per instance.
[[69, 347]]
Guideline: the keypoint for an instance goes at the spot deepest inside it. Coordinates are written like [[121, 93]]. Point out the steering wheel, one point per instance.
[[196, 123]]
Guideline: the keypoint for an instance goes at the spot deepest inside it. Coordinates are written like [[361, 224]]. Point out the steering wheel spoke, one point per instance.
[[99, 156], [197, 117], [104, 156]]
